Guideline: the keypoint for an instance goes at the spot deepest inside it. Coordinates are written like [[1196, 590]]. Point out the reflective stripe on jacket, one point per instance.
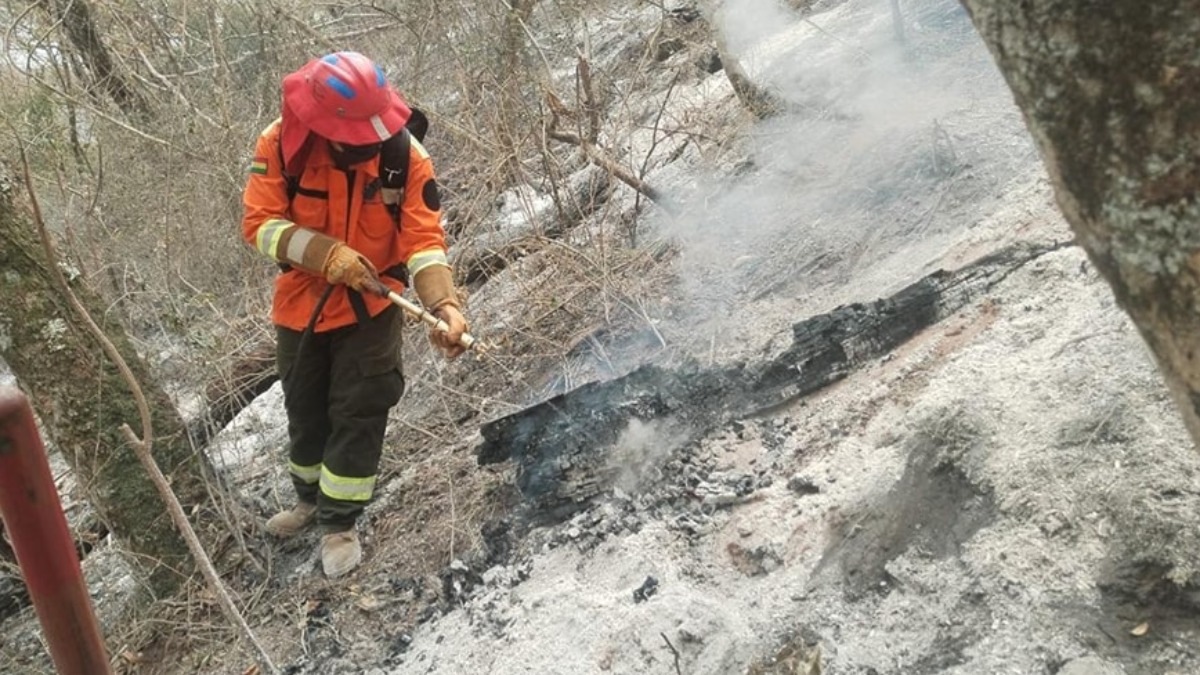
[[355, 214]]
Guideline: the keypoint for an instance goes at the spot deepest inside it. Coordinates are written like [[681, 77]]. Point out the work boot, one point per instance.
[[340, 552], [289, 523]]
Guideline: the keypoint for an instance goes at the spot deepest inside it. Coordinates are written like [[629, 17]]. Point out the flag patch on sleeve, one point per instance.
[[259, 165]]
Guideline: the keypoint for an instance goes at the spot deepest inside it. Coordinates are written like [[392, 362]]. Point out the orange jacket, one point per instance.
[[345, 213]]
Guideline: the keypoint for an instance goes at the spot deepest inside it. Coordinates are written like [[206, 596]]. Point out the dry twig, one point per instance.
[[674, 652]]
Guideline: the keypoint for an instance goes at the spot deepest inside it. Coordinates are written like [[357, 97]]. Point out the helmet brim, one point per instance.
[[349, 130]]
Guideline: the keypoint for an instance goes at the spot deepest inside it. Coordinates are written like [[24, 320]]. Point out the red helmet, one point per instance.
[[345, 97]]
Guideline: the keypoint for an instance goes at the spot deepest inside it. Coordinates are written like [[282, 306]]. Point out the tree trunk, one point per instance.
[[1111, 94], [758, 100], [83, 402], [75, 17]]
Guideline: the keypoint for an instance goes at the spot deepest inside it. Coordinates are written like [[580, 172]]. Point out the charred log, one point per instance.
[[828, 347], [564, 446], [561, 446]]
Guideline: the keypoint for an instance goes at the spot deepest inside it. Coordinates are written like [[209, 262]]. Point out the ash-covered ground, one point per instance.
[[1008, 492]]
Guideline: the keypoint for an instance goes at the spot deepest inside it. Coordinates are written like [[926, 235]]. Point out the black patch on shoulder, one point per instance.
[[431, 194]]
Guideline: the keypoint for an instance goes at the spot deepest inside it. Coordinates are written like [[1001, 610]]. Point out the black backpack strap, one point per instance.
[[359, 305], [293, 182], [393, 169], [393, 160]]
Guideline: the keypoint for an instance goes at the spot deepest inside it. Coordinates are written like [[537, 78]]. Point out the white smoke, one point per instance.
[[889, 145], [637, 456]]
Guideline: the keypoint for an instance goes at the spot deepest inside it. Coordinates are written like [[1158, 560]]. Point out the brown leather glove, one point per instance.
[[346, 266], [447, 341]]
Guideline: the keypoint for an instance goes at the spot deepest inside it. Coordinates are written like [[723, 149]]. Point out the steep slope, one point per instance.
[[1003, 489]]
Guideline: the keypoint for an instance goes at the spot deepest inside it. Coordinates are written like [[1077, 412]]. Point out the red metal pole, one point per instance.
[[45, 551]]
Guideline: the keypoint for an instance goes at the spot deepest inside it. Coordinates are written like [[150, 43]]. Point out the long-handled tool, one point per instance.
[[467, 340]]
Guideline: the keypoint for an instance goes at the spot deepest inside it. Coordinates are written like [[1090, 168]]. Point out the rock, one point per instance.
[[755, 562]]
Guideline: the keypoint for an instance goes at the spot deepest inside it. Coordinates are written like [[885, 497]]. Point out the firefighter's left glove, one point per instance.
[[346, 266], [448, 341], [435, 288]]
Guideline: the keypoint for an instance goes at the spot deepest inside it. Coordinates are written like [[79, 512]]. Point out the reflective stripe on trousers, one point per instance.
[[339, 387]]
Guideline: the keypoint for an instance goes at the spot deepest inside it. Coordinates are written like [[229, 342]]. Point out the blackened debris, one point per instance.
[[561, 446], [648, 588], [803, 485]]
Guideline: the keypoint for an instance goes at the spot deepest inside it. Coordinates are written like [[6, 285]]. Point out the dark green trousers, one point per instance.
[[338, 388]]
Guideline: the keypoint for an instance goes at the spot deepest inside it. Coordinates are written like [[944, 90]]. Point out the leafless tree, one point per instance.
[[84, 402], [88, 49]]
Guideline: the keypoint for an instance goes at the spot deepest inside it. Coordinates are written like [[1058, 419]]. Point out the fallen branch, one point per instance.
[[605, 161], [587, 143]]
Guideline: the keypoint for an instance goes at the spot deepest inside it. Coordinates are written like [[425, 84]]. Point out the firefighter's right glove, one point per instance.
[[346, 266]]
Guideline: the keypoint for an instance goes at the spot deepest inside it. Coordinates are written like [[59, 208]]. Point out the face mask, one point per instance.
[[350, 155]]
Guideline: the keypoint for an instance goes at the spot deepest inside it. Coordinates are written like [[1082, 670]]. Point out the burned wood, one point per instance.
[[828, 347], [563, 446], [560, 445], [646, 591]]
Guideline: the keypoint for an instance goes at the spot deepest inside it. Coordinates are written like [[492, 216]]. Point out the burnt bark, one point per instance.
[[83, 402], [1111, 94]]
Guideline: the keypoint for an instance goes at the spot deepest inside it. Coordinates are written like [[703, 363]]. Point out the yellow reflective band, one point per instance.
[[422, 259], [421, 151], [268, 236], [346, 489], [308, 474]]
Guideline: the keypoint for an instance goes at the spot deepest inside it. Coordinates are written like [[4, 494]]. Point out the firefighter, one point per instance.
[[314, 204]]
